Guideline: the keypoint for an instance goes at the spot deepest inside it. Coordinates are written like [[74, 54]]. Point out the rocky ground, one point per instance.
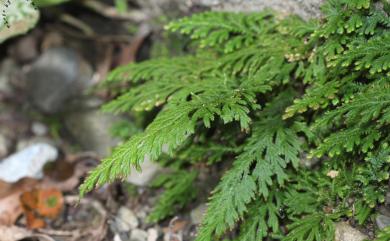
[[52, 131]]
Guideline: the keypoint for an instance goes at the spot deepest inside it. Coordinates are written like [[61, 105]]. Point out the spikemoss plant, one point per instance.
[[261, 92]]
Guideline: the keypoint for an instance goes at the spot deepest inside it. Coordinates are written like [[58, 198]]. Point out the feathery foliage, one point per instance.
[[259, 92], [179, 190]]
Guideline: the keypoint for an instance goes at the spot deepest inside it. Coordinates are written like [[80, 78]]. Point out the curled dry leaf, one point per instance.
[[10, 206], [14, 233], [332, 174], [39, 204], [97, 228], [174, 231]]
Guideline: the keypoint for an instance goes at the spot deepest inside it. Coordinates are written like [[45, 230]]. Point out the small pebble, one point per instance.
[[152, 234], [382, 221], [4, 146], [126, 220], [138, 235], [39, 129], [198, 213]]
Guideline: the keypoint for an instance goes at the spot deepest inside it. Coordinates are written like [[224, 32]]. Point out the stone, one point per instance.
[[117, 237], [148, 171], [171, 8], [344, 232], [28, 162], [126, 220], [25, 48], [138, 235], [307, 162], [384, 210], [5, 145], [91, 128], [39, 129], [143, 212], [152, 234], [306, 9], [7, 68], [85, 103], [382, 221], [24, 143], [387, 199], [198, 213], [57, 76]]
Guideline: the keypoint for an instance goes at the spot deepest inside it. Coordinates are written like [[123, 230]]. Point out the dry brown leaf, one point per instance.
[[128, 52], [333, 174], [96, 230], [39, 204], [14, 233], [10, 206], [34, 222]]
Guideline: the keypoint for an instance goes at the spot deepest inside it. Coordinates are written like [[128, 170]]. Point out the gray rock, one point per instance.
[[387, 199], [344, 232], [382, 221], [307, 162], [55, 77], [5, 146], [198, 213], [142, 213], [27, 163], [126, 220], [152, 234], [172, 8], [304, 8], [24, 49], [24, 143], [91, 128], [7, 68], [117, 237], [85, 103], [39, 129], [384, 210], [149, 171], [138, 235]]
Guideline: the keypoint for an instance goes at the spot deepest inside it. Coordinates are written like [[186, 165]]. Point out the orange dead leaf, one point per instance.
[[10, 208], [10, 204], [41, 203], [50, 203], [34, 222]]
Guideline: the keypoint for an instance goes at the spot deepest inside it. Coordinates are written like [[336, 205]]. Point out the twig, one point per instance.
[[97, 232], [111, 12], [95, 37], [69, 19]]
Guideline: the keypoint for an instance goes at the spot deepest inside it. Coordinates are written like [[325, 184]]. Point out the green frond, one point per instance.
[[314, 227], [261, 92], [179, 191], [358, 115], [226, 30], [263, 218], [372, 55], [209, 152], [169, 129], [269, 150], [383, 235], [177, 68]]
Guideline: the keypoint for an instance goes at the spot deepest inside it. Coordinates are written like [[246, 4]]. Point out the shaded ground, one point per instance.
[[52, 131]]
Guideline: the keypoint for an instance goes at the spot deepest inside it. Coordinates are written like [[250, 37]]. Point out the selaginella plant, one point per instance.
[[264, 92]]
